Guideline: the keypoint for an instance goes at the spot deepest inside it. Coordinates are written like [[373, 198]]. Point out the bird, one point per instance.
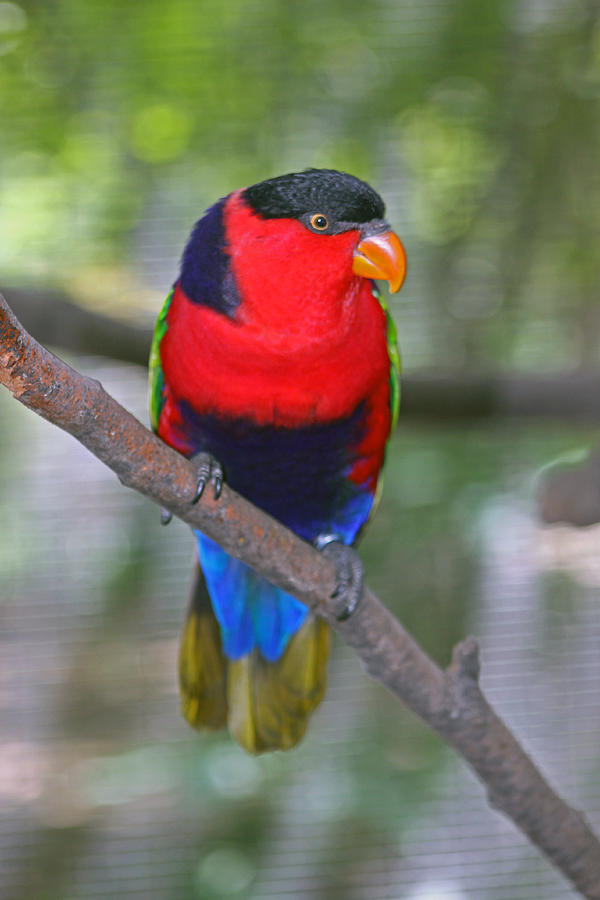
[[274, 367]]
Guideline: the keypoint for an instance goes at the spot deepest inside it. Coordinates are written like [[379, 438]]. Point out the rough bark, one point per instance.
[[451, 702]]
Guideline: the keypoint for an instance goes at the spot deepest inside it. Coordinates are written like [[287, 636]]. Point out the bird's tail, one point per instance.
[[265, 704]]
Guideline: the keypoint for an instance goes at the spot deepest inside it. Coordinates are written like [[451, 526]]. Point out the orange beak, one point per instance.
[[381, 256]]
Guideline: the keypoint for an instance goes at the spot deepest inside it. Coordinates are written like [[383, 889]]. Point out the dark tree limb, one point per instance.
[[450, 702], [566, 396], [439, 395], [61, 322]]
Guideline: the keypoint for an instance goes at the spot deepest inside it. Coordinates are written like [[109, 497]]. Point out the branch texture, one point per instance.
[[450, 702]]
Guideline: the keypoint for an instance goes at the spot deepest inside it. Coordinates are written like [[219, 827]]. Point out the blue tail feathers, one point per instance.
[[251, 612]]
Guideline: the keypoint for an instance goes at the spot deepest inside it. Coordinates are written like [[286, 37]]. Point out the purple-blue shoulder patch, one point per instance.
[[206, 276]]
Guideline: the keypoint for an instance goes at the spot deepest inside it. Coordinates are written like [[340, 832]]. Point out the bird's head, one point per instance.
[[290, 248], [328, 203]]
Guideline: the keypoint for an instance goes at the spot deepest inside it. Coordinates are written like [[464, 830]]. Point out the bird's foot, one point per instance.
[[210, 471], [350, 574]]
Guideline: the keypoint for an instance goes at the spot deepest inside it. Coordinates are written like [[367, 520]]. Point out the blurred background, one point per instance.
[[479, 124]]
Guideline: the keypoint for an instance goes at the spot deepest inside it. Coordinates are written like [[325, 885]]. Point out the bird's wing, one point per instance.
[[156, 378], [395, 367], [394, 357]]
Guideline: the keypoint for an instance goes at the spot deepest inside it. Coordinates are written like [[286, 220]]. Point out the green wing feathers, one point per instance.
[[266, 705], [395, 367], [155, 373], [394, 357]]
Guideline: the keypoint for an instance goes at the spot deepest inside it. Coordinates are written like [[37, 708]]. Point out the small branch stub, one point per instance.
[[465, 661], [463, 697]]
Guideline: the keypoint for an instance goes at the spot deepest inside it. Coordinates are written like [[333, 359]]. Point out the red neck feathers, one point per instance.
[[296, 285]]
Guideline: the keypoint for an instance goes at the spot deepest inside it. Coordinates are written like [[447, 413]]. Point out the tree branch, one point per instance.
[[450, 702]]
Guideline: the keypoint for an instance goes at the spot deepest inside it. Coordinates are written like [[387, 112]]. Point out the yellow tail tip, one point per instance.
[[265, 705]]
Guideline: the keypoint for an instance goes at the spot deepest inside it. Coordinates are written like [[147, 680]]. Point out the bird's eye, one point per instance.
[[319, 222]]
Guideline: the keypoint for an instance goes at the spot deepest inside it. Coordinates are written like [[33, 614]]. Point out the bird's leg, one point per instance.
[[209, 471], [350, 573]]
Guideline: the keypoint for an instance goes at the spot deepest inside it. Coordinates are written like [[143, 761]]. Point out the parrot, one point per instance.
[[274, 367]]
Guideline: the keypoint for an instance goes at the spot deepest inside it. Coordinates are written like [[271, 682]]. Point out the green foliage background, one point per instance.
[[120, 123], [479, 122]]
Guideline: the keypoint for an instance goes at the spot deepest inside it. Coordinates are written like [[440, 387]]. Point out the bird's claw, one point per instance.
[[165, 516], [350, 574], [210, 471]]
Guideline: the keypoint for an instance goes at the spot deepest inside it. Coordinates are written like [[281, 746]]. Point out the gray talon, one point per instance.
[[218, 482], [350, 573], [165, 516], [200, 485], [209, 471]]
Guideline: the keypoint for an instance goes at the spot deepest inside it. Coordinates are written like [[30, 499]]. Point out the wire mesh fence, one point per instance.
[[106, 792]]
